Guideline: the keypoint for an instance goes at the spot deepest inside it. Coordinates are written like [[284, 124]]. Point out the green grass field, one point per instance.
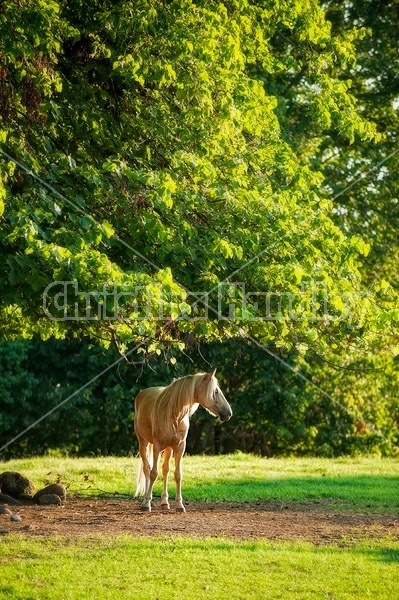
[[188, 569], [102, 567], [363, 483]]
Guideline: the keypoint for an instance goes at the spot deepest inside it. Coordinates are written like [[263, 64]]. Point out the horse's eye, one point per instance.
[[216, 391]]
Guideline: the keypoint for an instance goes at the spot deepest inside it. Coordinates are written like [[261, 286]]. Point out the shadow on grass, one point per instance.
[[387, 555], [365, 492]]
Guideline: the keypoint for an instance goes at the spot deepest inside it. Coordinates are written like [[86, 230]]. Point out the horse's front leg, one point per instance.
[[165, 472], [143, 480], [179, 452]]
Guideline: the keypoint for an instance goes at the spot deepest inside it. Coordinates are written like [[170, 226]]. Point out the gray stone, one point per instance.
[[16, 485], [8, 499], [53, 488], [46, 499]]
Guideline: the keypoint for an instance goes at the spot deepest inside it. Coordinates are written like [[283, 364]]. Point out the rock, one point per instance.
[[15, 518], [46, 499], [53, 488], [14, 484], [8, 499], [26, 498], [4, 510]]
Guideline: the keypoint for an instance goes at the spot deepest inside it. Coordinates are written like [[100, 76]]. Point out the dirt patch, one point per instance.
[[83, 517]]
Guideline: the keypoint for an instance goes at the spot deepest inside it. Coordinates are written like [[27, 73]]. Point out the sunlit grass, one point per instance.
[[364, 483], [107, 568], [104, 567]]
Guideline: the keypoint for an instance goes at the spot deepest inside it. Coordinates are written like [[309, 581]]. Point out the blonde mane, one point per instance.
[[176, 400]]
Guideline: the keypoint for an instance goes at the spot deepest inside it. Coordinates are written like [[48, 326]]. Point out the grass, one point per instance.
[[363, 483], [105, 568]]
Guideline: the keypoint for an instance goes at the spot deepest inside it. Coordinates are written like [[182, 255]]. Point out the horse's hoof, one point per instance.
[[165, 507], [180, 509], [145, 508]]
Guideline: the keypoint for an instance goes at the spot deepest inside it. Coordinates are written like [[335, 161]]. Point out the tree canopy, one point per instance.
[[188, 170], [157, 152]]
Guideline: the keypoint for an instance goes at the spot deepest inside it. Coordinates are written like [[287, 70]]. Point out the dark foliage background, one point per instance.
[[275, 411]]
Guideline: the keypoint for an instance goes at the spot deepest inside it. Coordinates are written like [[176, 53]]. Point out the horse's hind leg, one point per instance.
[[165, 472]]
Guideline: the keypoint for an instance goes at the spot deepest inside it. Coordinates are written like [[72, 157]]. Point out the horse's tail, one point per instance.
[[140, 489]]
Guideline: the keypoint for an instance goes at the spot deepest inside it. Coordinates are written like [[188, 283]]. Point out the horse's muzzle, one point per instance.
[[225, 416]]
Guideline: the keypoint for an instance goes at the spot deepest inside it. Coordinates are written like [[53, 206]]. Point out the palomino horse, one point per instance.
[[161, 422]]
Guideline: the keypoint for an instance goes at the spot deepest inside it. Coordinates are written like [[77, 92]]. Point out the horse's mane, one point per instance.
[[176, 400]]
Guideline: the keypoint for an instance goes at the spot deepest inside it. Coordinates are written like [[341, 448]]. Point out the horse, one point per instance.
[[161, 423]]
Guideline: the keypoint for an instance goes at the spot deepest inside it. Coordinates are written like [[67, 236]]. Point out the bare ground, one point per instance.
[[314, 522]]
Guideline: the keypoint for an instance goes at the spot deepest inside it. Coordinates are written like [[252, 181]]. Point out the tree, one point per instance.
[[145, 154], [37, 377], [363, 180], [156, 156]]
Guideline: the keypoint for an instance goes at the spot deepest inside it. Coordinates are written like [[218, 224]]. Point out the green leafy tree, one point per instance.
[[153, 152], [275, 411], [363, 180], [37, 377], [17, 383], [159, 128]]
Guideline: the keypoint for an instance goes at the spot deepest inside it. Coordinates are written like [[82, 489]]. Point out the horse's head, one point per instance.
[[212, 399]]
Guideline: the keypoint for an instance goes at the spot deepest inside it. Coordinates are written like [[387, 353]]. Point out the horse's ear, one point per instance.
[[212, 374]]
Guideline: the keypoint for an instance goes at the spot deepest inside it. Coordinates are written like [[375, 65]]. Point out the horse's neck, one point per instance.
[[193, 408], [183, 409]]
